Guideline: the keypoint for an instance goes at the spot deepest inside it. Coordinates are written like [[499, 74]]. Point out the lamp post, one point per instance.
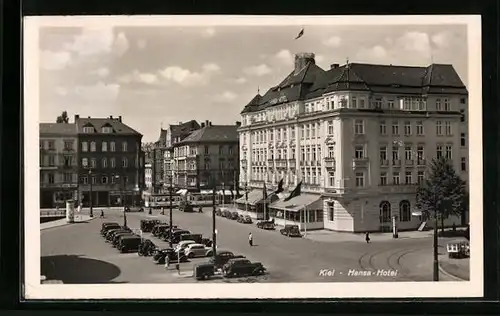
[[90, 195], [170, 189], [122, 200], [214, 231], [435, 242]]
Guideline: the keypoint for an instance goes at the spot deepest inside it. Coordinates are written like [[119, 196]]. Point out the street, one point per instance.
[[78, 254]]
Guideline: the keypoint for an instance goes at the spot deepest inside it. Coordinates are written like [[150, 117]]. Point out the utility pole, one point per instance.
[[436, 261], [90, 195], [214, 231], [123, 202], [171, 208]]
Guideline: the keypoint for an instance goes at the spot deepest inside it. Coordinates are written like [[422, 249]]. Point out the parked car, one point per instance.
[[160, 256], [177, 235], [183, 244], [241, 219], [146, 248], [134, 209], [165, 235], [129, 243], [207, 242], [234, 215], [185, 207], [247, 220], [111, 233], [195, 237], [159, 229], [148, 224], [222, 258], [226, 213], [218, 212], [108, 226], [291, 231], [242, 267], [203, 271], [267, 225], [118, 236], [195, 250]]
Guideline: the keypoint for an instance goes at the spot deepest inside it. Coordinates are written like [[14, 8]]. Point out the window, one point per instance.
[[331, 151], [462, 139], [395, 128], [385, 212], [331, 179], [407, 104], [313, 154], [359, 127], [93, 163], [390, 104], [361, 103], [462, 101], [51, 144], [124, 146], [408, 153], [330, 128], [447, 128], [408, 177], [377, 104], [313, 130], [124, 162], [88, 129], [94, 180], [395, 153], [383, 178], [420, 153], [85, 146], [383, 128], [439, 128], [448, 151], [51, 178], [383, 153], [439, 151], [463, 164], [395, 178], [206, 150], [85, 162], [113, 162], [292, 133], [407, 128], [92, 146], [104, 162], [358, 152], [354, 102], [462, 116], [420, 177], [420, 128], [404, 211], [447, 105], [112, 146], [84, 180], [438, 105], [331, 211], [293, 153], [104, 146], [106, 129], [68, 145], [360, 179], [104, 180]]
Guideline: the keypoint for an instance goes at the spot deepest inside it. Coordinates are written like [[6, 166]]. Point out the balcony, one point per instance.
[[384, 163], [360, 162], [396, 163], [192, 172], [330, 163], [402, 188], [243, 162], [281, 163], [292, 162], [48, 167], [409, 163], [421, 163]]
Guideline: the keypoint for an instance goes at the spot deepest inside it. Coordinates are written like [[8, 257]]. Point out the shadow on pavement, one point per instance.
[[74, 269]]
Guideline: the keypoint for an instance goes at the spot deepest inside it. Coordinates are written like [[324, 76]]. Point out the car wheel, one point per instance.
[[191, 255], [139, 253], [210, 254]]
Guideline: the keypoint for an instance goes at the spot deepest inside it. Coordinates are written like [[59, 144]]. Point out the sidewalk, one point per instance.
[[64, 222], [324, 235], [455, 268]]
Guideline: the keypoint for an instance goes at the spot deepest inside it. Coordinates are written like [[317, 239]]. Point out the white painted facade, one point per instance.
[[148, 175]]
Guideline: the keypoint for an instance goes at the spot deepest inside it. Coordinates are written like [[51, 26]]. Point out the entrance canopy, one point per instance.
[[309, 201], [182, 191], [254, 197]]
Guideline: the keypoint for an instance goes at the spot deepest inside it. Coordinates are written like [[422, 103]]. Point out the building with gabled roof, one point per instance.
[[357, 137]]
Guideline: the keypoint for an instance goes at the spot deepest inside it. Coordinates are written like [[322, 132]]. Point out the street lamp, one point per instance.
[[121, 198], [214, 231], [90, 195], [170, 189]]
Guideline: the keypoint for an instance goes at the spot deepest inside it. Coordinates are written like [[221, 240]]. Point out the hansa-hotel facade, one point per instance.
[[358, 136]]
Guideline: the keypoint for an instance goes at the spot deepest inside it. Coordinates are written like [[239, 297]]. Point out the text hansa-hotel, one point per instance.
[[359, 136]]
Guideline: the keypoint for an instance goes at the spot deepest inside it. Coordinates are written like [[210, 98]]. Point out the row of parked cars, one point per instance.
[[120, 237], [224, 212]]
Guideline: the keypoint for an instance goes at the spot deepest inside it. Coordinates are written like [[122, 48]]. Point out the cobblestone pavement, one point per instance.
[[78, 254]]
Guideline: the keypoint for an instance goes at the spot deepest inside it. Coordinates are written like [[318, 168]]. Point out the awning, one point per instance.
[[182, 191], [271, 198], [309, 201], [254, 196], [205, 192]]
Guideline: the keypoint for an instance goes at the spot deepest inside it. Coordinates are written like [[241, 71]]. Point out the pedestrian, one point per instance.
[[200, 210], [250, 239], [167, 262], [367, 237], [102, 213]]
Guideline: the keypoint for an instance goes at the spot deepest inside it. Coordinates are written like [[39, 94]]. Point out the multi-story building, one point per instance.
[[111, 159], [172, 135], [206, 157], [358, 137], [148, 176], [58, 164]]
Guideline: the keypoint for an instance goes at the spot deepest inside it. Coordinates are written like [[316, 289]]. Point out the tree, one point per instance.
[[63, 118], [147, 148], [443, 192]]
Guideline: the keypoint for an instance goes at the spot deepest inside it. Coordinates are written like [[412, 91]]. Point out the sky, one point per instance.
[[155, 76]]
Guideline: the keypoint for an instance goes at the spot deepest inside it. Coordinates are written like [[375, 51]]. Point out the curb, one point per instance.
[[65, 224], [456, 278]]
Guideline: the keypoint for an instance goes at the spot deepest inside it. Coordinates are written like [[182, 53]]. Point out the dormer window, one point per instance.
[[107, 129], [88, 129]]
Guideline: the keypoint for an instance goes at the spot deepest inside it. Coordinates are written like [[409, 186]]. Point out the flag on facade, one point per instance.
[[280, 187], [295, 192], [300, 33]]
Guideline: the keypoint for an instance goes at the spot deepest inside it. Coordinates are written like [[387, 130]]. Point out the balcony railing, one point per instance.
[[329, 162], [384, 163], [292, 162], [243, 162], [396, 162], [281, 163], [360, 162], [421, 162], [409, 162]]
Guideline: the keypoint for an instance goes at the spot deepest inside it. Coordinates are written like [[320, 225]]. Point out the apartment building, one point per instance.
[[358, 137]]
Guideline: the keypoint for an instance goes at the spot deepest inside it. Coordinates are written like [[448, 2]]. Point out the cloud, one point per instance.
[[377, 53], [183, 76], [54, 60], [333, 41], [441, 40], [139, 77], [93, 41], [209, 32], [147, 78], [226, 96], [417, 42], [99, 92], [241, 80], [102, 72], [211, 67], [61, 91], [260, 70], [141, 44], [285, 56], [120, 45]]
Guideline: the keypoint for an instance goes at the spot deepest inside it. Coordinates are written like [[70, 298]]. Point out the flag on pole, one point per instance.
[[300, 34], [295, 192], [280, 187], [246, 192]]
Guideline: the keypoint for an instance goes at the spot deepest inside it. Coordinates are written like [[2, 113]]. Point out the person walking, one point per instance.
[[102, 214], [250, 239], [367, 237], [167, 262]]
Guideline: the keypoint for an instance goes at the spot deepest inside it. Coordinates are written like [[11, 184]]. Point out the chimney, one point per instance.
[[77, 117], [238, 123], [180, 123], [120, 118], [301, 61], [206, 123], [209, 123], [202, 124], [333, 66], [88, 117], [111, 116]]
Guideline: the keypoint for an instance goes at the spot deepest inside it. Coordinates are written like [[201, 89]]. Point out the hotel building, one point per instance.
[[358, 136]]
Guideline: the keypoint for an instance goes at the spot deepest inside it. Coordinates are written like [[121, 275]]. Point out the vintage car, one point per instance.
[[160, 255], [129, 243], [234, 215], [291, 231], [247, 220], [148, 224], [117, 236], [195, 237], [186, 207], [165, 235], [218, 212], [203, 271], [196, 250], [146, 248], [458, 249], [207, 242], [240, 218], [268, 225], [226, 213], [108, 226], [111, 233], [242, 267], [134, 209], [159, 229], [183, 244], [177, 235], [222, 258]]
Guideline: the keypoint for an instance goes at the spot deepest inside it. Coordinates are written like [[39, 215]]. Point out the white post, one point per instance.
[[284, 216], [70, 212], [305, 221]]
